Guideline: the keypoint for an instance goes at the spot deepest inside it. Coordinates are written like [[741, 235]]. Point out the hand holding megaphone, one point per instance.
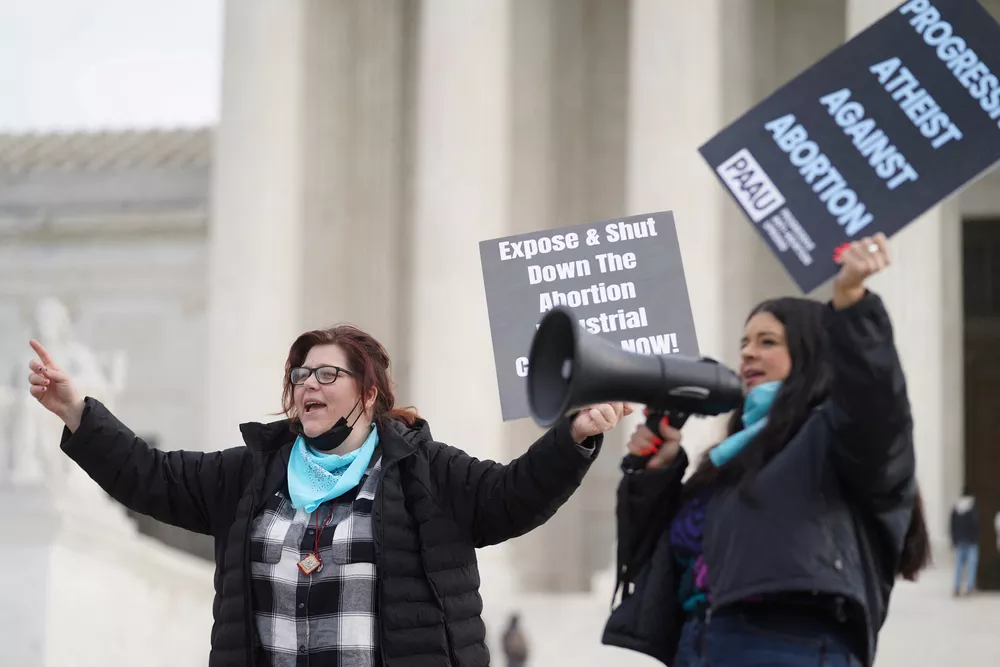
[[595, 419], [656, 450], [568, 368]]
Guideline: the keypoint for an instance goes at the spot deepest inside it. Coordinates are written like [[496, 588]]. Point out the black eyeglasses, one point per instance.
[[324, 374]]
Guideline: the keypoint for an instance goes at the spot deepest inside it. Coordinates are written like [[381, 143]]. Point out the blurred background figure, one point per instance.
[[996, 528], [965, 540], [515, 644]]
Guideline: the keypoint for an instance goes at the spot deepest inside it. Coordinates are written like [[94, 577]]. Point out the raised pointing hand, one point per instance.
[[53, 388]]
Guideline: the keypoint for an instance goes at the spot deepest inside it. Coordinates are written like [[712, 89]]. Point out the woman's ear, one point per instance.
[[370, 399]]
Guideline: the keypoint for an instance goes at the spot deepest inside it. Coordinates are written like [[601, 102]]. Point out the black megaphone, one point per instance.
[[569, 368]]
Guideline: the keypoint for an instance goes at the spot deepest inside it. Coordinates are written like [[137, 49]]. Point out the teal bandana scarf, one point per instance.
[[315, 477], [755, 409]]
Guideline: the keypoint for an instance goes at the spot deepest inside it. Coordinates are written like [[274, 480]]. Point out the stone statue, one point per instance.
[[7, 400], [37, 432]]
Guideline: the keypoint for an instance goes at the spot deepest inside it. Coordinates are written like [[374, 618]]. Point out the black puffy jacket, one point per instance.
[[434, 507], [831, 514]]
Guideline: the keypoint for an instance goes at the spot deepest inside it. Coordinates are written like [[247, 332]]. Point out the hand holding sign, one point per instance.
[[870, 137], [858, 261], [661, 449], [598, 419]]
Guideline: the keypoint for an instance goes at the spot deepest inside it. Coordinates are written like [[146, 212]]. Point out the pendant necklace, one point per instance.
[[312, 562]]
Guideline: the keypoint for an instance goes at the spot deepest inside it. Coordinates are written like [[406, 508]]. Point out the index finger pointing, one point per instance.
[[43, 354]]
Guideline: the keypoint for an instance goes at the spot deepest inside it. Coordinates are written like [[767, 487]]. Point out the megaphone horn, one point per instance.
[[569, 368]]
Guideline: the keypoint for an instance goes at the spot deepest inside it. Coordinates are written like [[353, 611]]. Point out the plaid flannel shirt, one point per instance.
[[328, 618]]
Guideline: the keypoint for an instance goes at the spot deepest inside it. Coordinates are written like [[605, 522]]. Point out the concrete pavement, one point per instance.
[[926, 627]]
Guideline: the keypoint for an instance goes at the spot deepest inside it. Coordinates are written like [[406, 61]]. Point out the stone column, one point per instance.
[[308, 192], [461, 198], [922, 291], [255, 277], [353, 165], [676, 96], [569, 102], [765, 44]]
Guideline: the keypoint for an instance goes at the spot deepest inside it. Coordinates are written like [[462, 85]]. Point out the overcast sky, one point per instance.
[[103, 64]]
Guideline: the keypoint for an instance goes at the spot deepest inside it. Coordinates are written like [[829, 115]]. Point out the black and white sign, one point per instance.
[[623, 278], [869, 138]]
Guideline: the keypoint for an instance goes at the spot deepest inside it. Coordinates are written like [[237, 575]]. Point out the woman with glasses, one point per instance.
[[344, 533]]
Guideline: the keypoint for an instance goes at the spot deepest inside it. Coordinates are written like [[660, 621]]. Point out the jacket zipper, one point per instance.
[[379, 564], [379, 552], [703, 639], [247, 579]]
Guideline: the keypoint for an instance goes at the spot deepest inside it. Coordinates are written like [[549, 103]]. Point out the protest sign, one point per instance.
[[623, 279], [870, 137]]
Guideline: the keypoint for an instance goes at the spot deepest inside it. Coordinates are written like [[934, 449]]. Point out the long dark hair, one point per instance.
[[805, 388]]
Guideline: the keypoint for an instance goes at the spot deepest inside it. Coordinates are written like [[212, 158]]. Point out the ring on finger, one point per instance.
[[872, 247]]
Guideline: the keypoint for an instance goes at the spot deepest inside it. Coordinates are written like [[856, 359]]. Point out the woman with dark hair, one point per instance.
[[783, 546], [345, 535]]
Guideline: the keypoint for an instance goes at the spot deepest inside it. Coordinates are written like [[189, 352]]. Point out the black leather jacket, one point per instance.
[[832, 510]]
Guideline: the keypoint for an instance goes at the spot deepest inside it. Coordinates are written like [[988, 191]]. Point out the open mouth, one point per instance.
[[312, 405], [750, 376]]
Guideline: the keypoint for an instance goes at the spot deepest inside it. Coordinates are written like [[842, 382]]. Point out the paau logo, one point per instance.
[[751, 185]]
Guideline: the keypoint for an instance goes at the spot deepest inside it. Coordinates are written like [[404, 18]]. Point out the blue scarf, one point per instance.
[[755, 409], [315, 477]]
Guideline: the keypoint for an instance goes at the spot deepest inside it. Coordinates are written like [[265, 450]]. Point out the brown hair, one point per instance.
[[366, 358], [917, 544]]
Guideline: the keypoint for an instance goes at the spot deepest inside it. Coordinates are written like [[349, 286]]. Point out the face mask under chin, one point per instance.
[[335, 436]]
